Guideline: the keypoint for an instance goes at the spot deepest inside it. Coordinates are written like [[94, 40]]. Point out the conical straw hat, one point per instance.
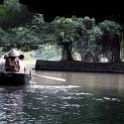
[[13, 53]]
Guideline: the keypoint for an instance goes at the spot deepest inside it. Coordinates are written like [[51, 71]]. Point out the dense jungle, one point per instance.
[[64, 38]]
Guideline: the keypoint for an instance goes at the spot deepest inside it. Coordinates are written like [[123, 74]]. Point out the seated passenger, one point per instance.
[[22, 64], [12, 61], [2, 63]]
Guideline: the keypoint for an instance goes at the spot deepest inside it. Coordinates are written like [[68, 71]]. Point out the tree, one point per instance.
[[110, 39], [90, 30], [13, 14], [21, 38], [66, 32], [14, 18], [61, 31]]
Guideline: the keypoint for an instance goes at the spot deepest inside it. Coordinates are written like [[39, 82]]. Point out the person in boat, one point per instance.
[[2, 63], [12, 61], [22, 64]]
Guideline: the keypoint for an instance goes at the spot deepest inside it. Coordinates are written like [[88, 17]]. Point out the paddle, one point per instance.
[[53, 78]]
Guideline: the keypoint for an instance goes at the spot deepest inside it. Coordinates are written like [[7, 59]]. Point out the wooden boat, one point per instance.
[[10, 78]]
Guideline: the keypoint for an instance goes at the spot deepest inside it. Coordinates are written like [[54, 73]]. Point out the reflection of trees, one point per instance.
[[114, 85], [107, 84], [98, 83], [68, 77], [121, 85]]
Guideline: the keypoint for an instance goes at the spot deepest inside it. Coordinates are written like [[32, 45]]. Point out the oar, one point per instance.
[[53, 78]]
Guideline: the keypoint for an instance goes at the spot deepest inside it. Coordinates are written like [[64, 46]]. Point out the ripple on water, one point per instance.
[[57, 104]]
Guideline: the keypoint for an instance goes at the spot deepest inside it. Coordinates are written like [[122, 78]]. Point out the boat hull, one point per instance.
[[9, 78]]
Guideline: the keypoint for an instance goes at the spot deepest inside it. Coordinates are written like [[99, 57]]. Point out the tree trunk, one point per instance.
[[66, 54], [116, 48], [84, 47]]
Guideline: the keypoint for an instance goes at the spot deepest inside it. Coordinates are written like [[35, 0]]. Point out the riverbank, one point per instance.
[[78, 66]]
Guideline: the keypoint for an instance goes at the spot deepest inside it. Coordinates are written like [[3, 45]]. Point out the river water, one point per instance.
[[64, 98]]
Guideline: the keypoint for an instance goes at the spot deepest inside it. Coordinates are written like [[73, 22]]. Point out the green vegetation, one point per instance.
[[62, 39]]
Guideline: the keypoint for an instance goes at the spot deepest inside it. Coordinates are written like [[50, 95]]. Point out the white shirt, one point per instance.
[[2, 65], [22, 66]]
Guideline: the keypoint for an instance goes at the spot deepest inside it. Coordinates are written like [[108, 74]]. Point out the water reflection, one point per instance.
[[83, 98], [110, 84], [11, 104]]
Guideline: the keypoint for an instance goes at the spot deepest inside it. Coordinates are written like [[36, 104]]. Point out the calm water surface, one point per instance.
[[83, 98]]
